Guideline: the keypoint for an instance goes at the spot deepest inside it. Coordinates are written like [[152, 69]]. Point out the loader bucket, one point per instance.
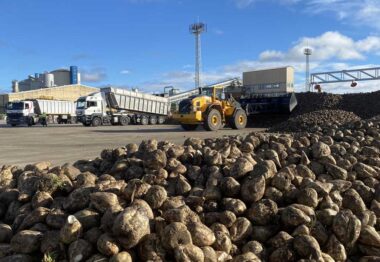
[[281, 104]]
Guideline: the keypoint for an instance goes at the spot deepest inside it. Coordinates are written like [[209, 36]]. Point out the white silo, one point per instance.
[[79, 78], [49, 80], [15, 87]]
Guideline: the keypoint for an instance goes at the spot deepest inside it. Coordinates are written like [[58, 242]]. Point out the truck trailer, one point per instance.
[[29, 112], [115, 106]]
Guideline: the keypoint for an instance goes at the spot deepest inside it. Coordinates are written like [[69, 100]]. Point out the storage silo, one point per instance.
[[49, 80], [15, 87], [74, 75], [61, 77]]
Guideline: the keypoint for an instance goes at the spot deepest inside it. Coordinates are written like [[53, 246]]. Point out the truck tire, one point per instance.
[[239, 119], [124, 121], [189, 127], [213, 120], [144, 120], [153, 120], [30, 121], [161, 120], [96, 121]]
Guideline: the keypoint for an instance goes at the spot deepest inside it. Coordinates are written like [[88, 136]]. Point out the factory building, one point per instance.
[[66, 92], [56, 78], [276, 80]]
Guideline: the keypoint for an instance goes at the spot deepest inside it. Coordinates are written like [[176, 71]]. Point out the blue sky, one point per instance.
[[146, 43]]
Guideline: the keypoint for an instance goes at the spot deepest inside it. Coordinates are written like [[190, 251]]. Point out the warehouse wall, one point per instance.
[[69, 92]]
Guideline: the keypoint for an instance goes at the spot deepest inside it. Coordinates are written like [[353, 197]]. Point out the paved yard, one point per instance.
[[67, 143]]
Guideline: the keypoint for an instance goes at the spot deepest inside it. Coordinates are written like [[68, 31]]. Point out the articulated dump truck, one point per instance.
[[115, 106], [29, 112]]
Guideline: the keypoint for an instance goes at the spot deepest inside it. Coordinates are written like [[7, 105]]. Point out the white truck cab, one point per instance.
[[20, 112], [91, 107]]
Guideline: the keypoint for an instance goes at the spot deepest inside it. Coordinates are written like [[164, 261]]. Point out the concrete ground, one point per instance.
[[61, 144]]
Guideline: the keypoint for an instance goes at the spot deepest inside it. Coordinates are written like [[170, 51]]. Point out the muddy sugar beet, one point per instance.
[[311, 196]]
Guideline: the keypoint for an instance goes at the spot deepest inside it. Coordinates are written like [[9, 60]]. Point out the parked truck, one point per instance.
[[29, 112], [115, 106]]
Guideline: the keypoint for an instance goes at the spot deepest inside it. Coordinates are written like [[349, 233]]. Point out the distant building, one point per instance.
[[275, 80], [56, 78]]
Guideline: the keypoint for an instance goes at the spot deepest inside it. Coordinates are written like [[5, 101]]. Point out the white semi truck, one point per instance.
[[29, 112], [115, 106]]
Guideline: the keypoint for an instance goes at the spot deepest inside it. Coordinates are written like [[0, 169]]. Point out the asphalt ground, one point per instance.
[[62, 144]]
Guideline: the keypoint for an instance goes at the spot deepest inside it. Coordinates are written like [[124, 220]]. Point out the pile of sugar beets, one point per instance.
[[263, 197]]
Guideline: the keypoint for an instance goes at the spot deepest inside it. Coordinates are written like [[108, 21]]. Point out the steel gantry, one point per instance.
[[353, 75]]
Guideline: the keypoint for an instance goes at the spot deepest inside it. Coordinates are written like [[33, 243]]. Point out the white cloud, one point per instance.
[[93, 75], [218, 32], [271, 55], [331, 51], [356, 12], [244, 3], [125, 72]]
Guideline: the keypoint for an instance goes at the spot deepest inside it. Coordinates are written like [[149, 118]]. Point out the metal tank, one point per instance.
[[49, 80], [74, 75]]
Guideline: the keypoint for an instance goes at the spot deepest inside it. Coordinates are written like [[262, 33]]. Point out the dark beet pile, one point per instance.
[[324, 109]]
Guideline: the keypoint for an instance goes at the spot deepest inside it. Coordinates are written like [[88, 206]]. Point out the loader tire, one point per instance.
[[189, 127], [239, 119], [213, 120]]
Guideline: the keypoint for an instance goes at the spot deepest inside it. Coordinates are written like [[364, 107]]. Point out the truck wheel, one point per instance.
[[30, 121], [161, 120], [96, 121], [239, 119], [124, 121], [144, 120], [153, 120], [188, 127], [213, 120]]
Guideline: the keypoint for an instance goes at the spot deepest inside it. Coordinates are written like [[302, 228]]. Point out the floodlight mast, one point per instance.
[[197, 29], [308, 52]]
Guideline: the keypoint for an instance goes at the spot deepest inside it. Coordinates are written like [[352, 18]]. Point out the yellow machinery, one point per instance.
[[212, 110]]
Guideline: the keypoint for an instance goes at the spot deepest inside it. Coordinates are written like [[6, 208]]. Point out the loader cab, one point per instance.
[[215, 92]]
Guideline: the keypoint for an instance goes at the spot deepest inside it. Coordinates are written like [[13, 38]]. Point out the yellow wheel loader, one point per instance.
[[212, 110]]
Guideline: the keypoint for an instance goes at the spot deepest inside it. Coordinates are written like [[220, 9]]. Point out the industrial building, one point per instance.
[[66, 92], [275, 80], [55, 78]]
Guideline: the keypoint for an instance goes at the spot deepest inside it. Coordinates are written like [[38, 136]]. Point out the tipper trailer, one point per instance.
[[116, 106], [29, 112]]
